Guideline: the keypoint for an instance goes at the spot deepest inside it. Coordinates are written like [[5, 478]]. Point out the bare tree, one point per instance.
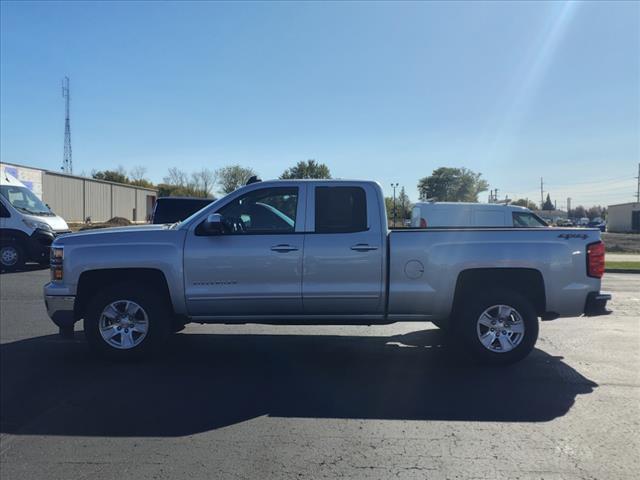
[[232, 177], [176, 177], [138, 173], [203, 181]]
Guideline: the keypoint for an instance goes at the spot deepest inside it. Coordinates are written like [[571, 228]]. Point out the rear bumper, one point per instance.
[[596, 304], [60, 309]]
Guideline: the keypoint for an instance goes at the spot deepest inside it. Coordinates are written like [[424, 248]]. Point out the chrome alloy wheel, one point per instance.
[[500, 328], [8, 256], [123, 324]]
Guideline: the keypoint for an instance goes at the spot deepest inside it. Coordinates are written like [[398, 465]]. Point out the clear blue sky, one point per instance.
[[387, 91]]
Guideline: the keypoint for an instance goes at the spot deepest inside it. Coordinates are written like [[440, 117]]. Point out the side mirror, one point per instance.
[[213, 224]]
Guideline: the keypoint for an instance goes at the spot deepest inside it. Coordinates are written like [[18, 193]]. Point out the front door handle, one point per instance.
[[363, 247], [284, 248]]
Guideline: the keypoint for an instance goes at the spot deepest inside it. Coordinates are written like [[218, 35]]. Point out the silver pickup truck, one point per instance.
[[319, 252]]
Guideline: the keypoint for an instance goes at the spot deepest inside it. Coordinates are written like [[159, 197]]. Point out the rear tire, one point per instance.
[[127, 321], [500, 326], [11, 257]]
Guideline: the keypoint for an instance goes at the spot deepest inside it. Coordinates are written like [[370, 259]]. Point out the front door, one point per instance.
[[344, 253], [255, 267]]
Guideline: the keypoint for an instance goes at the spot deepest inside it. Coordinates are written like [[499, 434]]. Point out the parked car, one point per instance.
[[598, 223], [460, 214], [176, 209], [583, 222], [564, 222], [319, 251], [27, 225]]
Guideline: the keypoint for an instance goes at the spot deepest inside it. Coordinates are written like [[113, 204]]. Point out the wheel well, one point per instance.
[[525, 281], [92, 281]]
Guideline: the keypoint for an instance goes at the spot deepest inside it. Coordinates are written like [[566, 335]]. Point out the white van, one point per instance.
[[460, 214], [27, 226]]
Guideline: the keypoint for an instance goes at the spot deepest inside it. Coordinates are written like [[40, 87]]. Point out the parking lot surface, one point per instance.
[[319, 402]]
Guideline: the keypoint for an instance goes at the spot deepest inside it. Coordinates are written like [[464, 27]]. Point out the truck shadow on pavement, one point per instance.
[[207, 381]]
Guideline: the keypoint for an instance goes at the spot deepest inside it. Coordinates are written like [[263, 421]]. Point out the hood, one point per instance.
[[114, 234], [56, 223]]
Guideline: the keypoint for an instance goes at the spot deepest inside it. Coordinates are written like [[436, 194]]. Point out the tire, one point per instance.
[[11, 257], [135, 320], [514, 322]]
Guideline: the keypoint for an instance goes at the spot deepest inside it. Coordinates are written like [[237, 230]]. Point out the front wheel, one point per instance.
[[126, 321], [500, 327], [11, 257]]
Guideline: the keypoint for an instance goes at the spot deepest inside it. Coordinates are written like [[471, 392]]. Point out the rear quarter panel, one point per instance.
[[558, 254]]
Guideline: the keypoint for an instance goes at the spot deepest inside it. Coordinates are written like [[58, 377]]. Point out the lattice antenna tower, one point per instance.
[[67, 162]]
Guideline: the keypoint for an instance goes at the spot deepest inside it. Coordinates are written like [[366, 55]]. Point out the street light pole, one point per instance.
[[394, 186]]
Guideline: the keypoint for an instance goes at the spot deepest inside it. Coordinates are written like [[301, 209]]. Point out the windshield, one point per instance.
[[23, 199]]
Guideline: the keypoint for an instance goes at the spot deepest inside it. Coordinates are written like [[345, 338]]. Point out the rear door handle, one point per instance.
[[284, 248], [363, 247]]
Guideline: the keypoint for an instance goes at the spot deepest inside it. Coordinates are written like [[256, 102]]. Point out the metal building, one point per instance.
[[624, 217], [77, 198]]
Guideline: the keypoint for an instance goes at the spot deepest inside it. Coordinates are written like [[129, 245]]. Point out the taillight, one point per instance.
[[423, 223], [595, 259]]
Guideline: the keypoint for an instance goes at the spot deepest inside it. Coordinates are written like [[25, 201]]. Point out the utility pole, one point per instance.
[[67, 162], [568, 206], [394, 186], [541, 193]]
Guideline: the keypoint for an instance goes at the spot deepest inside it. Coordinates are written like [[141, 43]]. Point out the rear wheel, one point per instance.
[[500, 326], [11, 257], [127, 321]]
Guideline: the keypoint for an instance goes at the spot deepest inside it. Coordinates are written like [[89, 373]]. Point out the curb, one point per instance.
[[621, 270]]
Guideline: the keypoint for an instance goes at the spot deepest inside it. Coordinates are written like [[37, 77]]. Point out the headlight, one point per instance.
[[55, 260], [37, 225]]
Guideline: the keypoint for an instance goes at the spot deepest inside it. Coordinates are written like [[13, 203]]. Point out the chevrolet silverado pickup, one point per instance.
[[319, 252]]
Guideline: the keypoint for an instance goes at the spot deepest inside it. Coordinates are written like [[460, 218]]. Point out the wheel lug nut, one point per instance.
[[126, 330], [119, 327], [493, 322], [492, 329]]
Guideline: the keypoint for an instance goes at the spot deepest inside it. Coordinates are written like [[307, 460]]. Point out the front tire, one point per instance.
[[127, 321], [11, 257], [500, 326]]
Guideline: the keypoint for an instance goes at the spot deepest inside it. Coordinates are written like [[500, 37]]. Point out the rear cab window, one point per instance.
[[340, 209]]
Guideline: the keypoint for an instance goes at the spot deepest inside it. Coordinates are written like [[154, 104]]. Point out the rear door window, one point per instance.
[[340, 210]]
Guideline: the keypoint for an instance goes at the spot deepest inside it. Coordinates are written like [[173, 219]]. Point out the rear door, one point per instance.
[[343, 251]]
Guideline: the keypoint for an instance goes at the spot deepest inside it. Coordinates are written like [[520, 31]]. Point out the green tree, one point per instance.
[[521, 202], [548, 204], [448, 184], [232, 177], [403, 208], [308, 169], [578, 212], [119, 175]]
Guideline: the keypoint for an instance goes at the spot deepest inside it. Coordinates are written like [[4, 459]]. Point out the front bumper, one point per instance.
[[60, 309], [596, 304], [39, 244]]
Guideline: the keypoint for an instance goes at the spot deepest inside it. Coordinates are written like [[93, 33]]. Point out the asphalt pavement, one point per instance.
[[319, 402]]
